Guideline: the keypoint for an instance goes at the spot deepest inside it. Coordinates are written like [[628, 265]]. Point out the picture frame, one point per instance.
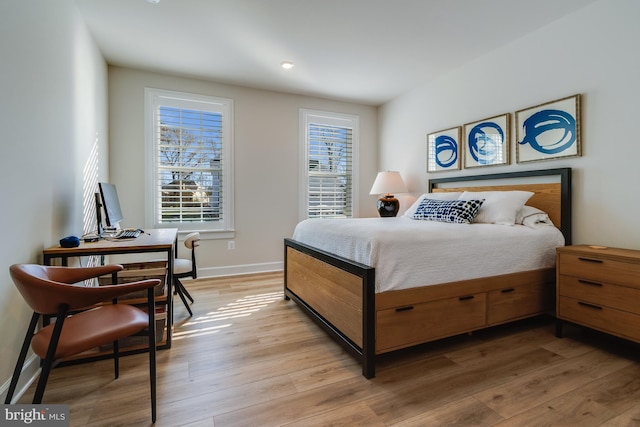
[[549, 131], [443, 150], [487, 142]]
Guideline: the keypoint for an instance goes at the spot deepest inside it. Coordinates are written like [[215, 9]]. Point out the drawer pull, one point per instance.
[[596, 307], [504, 291], [406, 308], [587, 282], [468, 297], [590, 260]]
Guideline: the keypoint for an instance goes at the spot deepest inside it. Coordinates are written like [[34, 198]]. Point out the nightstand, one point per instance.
[[599, 287]]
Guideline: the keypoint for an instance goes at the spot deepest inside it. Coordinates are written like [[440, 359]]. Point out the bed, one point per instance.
[[357, 308]]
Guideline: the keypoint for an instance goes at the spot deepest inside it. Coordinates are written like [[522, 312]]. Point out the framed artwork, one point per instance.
[[443, 150], [486, 142], [549, 131]]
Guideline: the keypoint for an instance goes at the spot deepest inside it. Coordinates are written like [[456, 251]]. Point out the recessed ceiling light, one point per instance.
[[153, 1], [286, 65]]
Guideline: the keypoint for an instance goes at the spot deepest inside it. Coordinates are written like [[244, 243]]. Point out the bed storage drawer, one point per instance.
[[396, 327], [517, 302]]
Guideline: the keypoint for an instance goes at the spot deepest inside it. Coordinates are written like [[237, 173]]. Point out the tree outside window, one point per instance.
[[190, 165], [189, 173], [328, 166]]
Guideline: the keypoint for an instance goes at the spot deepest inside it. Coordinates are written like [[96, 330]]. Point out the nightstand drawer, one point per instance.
[[605, 319], [599, 269], [599, 293]]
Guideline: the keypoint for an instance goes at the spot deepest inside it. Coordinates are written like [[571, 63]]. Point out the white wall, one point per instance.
[[53, 116], [265, 163], [593, 52]]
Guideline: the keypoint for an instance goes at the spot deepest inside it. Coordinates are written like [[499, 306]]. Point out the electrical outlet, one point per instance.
[[231, 245]]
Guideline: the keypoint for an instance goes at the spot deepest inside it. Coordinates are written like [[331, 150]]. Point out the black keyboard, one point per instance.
[[127, 234]]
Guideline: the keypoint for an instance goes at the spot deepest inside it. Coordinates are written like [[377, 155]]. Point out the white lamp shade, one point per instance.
[[389, 182]]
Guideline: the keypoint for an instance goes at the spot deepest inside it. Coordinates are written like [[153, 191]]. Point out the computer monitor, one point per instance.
[[110, 203], [99, 229]]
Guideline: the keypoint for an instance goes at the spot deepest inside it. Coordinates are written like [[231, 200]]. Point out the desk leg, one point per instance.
[[169, 296], [64, 261]]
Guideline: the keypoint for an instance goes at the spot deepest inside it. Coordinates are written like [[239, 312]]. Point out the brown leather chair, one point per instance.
[[55, 291]]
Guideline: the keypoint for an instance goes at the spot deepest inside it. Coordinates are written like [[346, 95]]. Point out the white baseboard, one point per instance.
[[235, 270], [30, 373]]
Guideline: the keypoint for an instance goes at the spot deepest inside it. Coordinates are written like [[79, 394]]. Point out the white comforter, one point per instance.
[[409, 253]]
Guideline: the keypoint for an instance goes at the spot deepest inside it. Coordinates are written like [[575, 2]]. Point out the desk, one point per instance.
[[155, 240]]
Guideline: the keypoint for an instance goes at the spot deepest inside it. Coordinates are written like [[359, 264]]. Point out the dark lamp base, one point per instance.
[[388, 206]]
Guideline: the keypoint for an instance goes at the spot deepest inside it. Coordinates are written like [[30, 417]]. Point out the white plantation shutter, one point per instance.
[[190, 147], [189, 157], [328, 174]]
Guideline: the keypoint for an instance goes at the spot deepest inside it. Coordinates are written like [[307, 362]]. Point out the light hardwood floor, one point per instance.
[[249, 358]]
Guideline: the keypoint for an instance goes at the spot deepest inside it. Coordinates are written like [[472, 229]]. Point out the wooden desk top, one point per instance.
[[153, 240]]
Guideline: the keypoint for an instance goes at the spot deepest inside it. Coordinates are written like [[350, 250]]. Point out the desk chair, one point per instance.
[[186, 268], [55, 291]]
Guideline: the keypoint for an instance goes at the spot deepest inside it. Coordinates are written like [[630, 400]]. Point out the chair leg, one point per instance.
[[21, 357], [116, 344], [178, 288], [184, 290], [116, 359], [51, 354]]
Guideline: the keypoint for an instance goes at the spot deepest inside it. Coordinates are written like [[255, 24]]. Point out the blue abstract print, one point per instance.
[[485, 142], [549, 131], [446, 149]]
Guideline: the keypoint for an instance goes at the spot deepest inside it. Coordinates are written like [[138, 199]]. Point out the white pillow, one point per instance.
[[527, 211], [533, 217], [452, 195], [499, 207]]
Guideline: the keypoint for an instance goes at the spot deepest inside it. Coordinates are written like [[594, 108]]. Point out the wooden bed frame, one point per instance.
[[339, 294]]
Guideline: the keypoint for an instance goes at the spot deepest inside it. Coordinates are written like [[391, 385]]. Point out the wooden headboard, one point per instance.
[[551, 188]]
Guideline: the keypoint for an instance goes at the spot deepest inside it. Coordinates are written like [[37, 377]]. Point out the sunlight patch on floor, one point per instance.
[[242, 307]]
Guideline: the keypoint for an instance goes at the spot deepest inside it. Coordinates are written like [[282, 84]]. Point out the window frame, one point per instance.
[[307, 117], [154, 99]]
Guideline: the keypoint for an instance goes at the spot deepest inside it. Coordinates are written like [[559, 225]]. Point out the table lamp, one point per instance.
[[388, 183]]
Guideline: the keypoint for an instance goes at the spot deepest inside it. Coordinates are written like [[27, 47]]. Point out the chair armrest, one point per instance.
[[51, 295], [79, 274], [47, 296], [80, 297]]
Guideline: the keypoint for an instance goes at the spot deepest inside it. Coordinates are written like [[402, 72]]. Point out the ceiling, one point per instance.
[[364, 51]]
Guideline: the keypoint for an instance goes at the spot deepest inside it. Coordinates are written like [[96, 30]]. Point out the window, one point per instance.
[[328, 168], [189, 167]]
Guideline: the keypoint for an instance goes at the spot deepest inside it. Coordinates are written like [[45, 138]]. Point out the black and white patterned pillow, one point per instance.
[[455, 211]]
